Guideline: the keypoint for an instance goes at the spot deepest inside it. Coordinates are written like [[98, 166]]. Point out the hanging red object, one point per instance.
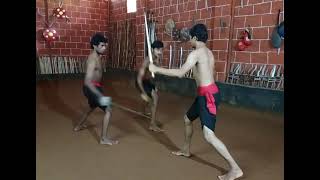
[[59, 12], [50, 34], [246, 37], [245, 40], [241, 46]]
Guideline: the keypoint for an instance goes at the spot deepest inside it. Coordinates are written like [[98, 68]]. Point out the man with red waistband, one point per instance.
[[92, 88], [201, 61]]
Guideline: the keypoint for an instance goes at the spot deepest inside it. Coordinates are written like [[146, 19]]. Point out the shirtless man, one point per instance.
[[145, 85], [92, 88], [201, 60]]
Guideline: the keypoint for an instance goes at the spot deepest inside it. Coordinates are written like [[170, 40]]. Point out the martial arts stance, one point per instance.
[[201, 60], [146, 86], [93, 89]]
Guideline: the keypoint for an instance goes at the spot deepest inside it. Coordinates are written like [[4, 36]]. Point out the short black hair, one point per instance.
[[157, 44], [97, 38], [200, 32]]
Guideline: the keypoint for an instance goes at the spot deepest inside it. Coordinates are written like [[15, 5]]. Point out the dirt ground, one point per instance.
[[255, 139]]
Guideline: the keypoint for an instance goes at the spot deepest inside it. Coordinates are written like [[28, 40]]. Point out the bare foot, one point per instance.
[[78, 128], [155, 128], [106, 141], [181, 153], [231, 175], [147, 113]]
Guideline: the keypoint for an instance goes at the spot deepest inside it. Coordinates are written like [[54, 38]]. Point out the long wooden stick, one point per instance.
[[148, 41], [119, 43], [170, 56], [278, 51], [127, 43], [181, 56], [130, 110]]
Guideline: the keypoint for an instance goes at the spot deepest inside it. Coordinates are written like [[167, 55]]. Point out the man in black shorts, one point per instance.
[[146, 87], [201, 61], [198, 110], [92, 88]]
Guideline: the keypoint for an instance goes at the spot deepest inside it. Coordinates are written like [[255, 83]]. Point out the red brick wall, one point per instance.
[[118, 11], [163, 10], [87, 17], [218, 11], [262, 16], [141, 4], [118, 16], [222, 15]]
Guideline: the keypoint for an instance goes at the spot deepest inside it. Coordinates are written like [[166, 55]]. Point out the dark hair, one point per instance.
[[200, 32], [97, 39], [157, 44]]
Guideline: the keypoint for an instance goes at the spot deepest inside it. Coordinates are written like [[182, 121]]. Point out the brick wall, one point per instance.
[[87, 17], [118, 26], [221, 31], [118, 11], [262, 16], [183, 17], [141, 4]]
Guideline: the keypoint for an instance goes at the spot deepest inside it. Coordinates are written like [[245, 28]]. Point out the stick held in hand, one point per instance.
[[148, 41]]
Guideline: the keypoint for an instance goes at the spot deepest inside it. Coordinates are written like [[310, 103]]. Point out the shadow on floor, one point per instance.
[[57, 103], [163, 139]]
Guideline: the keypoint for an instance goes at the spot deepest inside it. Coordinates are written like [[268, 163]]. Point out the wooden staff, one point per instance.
[[119, 45], [66, 65], [148, 41], [170, 57]]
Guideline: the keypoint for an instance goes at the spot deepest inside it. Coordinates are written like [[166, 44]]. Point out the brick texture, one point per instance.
[[184, 17], [262, 21], [87, 17]]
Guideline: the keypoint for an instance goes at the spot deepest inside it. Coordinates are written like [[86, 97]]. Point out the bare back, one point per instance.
[[204, 68]]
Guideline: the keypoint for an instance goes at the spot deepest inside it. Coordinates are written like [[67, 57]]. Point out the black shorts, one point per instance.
[[92, 98], [148, 86], [199, 109]]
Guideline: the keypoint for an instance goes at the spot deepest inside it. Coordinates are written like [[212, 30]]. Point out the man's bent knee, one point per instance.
[[187, 120], [108, 110], [154, 94], [208, 134]]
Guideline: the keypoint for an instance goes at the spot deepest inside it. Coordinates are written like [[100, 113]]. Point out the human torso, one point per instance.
[[203, 70], [147, 74], [97, 74]]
